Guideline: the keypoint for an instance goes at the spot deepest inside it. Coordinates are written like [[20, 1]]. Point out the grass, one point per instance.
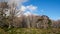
[[30, 31]]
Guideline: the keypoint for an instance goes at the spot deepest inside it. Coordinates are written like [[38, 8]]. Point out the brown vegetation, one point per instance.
[[33, 21]]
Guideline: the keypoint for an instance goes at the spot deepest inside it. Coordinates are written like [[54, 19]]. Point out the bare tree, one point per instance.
[[3, 7], [56, 24]]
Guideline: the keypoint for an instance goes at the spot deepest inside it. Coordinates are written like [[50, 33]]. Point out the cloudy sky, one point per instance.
[[51, 8]]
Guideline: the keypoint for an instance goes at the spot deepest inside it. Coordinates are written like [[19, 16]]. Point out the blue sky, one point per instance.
[[51, 8]]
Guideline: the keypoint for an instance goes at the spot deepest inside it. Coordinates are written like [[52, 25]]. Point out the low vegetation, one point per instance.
[[30, 31]]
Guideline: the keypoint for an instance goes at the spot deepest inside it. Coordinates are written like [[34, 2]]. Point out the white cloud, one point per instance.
[[31, 7], [27, 13], [23, 8], [28, 9]]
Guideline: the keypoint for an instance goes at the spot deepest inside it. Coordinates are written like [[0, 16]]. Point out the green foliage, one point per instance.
[[49, 23]]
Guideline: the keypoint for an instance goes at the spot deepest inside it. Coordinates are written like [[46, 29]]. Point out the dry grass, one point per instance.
[[31, 31]]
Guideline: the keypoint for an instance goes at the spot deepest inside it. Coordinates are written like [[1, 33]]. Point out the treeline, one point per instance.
[[8, 18]]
